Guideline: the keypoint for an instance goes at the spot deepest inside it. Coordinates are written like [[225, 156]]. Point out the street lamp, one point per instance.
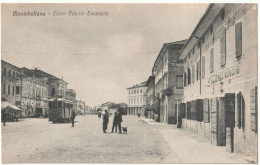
[[220, 82]]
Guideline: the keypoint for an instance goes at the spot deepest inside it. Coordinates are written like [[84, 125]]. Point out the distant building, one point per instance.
[[80, 107], [137, 98], [168, 75], [71, 95]]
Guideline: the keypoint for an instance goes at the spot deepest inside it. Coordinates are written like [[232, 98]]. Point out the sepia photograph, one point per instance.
[[135, 83]]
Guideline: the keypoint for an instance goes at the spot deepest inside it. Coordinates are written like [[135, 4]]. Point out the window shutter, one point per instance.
[[193, 73], [239, 110], [238, 39], [203, 67], [223, 48], [211, 60], [253, 108]]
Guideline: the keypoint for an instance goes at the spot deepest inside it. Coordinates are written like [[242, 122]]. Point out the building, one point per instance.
[[71, 95], [151, 112], [137, 98], [220, 78], [10, 83], [57, 86], [168, 75], [80, 107], [34, 94]]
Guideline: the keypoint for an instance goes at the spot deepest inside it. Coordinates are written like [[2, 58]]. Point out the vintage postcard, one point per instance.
[[131, 83]]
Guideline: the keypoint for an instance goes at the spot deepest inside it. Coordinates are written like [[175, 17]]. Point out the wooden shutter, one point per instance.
[[211, 60], [238, 39], [206, 114], [239, 110], [193, 73], [253, 109], [199, 110], [223, 48], [230, 109], [203, 67], [197, 71]]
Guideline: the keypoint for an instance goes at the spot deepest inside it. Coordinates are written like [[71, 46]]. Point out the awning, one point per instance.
[[61, 99], [7, 105]]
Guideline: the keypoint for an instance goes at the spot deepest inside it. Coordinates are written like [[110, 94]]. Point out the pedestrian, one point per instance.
[[119, 120], [105, 121], [114, 123], [72, 117], [4, 115]]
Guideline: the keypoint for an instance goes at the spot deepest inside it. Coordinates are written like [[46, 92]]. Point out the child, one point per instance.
[[114, 123]]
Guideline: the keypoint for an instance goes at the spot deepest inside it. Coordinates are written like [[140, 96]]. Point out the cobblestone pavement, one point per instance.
[[37, 140]]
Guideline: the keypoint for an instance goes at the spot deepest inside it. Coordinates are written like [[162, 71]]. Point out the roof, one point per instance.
[[165, 47], [151, 78], [40, 73], [143, 84], [10, 64], [205, 21], [5, 104]]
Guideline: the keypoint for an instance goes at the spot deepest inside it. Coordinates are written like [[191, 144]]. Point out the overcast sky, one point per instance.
[[99, 56]]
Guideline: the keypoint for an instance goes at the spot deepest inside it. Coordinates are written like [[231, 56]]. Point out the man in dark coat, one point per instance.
[[119, 120], [105, 121], [73, 115], [4, 115]]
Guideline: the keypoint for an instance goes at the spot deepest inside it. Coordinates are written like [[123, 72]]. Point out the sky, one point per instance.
[[98, 56]]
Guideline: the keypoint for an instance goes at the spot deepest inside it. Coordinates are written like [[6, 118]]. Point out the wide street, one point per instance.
[[35, 140]]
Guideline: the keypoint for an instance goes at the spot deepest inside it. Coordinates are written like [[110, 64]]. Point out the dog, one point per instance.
[[124, 130]]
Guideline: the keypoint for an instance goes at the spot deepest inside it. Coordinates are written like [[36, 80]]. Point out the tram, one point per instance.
[[59, 110]]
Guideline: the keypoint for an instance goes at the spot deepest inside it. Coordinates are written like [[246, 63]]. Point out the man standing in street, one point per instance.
[[119, 119], [4, 116], [105, 121], [73, 115]]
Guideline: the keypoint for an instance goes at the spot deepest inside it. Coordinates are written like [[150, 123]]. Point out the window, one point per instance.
[[53, 91], [197, 71], [13, 90], [134, 91], [189, 76], [141, 91], [4, 89], [211, 60], [203, 67], [203, 39], [179, 81], [137, 100], [13, 74], [222, 14], [137, 91], [211, 29], [193, 73], [8, 89], [9, 74], [223, 48], [238, 39], [134, 100], [4, 71], [240, 111], [129, 92]]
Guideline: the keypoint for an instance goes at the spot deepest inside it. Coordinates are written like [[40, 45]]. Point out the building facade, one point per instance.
[[137, 98], [220, 78], [151, 113], [71, 95], [34, 94], [168, 73], [10, 83]]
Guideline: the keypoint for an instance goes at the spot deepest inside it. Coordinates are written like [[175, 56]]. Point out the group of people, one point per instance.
[[117, 120]]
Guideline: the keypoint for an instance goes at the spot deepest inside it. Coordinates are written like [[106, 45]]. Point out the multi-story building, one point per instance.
[[137, 98], [10, 83], [34, 94], [71, 95], [57, 86], [220, 78], [168, 73], [151, 112], [80, 107]]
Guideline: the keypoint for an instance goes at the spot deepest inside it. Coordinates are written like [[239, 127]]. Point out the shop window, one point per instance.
[[211, 60], [203, 66], [240, 111], [223, 48], [189, 76], [179, 81], [238, 39]]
